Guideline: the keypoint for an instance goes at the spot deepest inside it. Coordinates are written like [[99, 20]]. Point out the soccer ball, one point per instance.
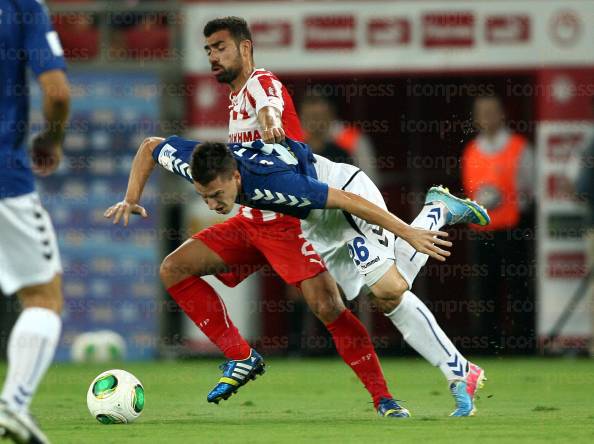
[[115, 397], [98, 346]]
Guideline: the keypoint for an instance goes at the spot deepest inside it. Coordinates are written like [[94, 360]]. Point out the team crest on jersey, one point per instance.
[[166, 157], [171, 163]]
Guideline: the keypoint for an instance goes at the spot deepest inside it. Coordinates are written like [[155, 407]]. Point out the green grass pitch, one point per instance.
[[320, 401]]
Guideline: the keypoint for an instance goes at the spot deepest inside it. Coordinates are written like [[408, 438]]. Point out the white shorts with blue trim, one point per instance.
[[28, 245], [356, 253]]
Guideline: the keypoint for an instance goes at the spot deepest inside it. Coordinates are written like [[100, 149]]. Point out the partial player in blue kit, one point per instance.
[[29, 258], [345, 218]]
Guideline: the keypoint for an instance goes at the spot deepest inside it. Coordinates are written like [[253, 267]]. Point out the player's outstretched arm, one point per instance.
[[142, 167], [424, 241]]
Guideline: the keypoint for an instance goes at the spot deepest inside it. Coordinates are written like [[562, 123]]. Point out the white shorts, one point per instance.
[[28, 246], [356, 253]]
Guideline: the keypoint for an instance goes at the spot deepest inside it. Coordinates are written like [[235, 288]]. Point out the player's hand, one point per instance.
[[273, 135], [46, 154], [123, 210], [429, 242]]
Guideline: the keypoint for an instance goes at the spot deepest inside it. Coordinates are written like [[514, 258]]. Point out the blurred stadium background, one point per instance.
[[400, 79]]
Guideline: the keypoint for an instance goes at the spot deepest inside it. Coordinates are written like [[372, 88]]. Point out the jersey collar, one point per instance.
[[233, 96]]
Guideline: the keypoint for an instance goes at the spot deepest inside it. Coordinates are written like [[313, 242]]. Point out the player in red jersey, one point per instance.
[[260, 108]]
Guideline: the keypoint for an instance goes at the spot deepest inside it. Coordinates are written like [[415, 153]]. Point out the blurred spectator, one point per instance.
[[317, 117], [498, 172], [331, 138]]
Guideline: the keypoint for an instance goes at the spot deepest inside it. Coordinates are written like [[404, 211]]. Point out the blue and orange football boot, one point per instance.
[[235, 375], [459, 210]]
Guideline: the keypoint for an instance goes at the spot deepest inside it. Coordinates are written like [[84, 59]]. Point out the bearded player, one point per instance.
[[262, 102], [260, 108]]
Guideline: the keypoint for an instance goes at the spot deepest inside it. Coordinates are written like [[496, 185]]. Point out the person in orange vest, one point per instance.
[[497, 169]]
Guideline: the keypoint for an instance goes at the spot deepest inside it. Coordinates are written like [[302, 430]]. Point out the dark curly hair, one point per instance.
[[237, 27], [211, 160]]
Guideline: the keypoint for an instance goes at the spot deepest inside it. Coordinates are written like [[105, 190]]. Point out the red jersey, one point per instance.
[[261, 89]]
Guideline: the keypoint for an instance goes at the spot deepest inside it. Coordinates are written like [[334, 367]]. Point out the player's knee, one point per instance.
[[387, 293], [323, 297], [328, 305], [386, 301], [47, 295], [327, 310], [51, 301], [172, 271]]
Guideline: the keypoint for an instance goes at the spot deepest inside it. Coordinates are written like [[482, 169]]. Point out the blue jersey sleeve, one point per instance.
[[284, 192], [174, 154], [42, 45]]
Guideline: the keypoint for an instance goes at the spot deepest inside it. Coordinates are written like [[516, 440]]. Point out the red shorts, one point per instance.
[[246, 246]]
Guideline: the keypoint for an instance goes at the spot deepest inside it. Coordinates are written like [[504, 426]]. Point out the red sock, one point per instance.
[[205, 307], [354, 345]]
